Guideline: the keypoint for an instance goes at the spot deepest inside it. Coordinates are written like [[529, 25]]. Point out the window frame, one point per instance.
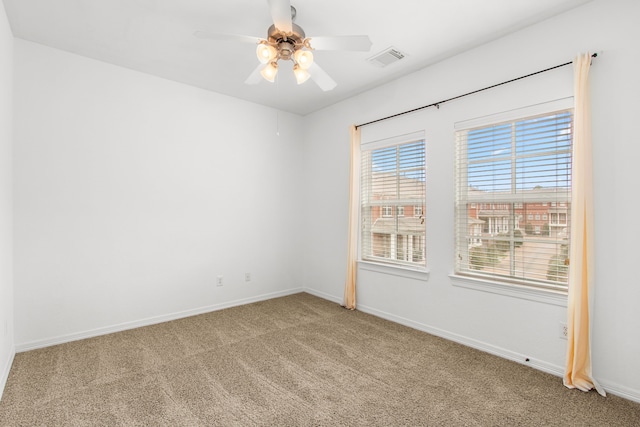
[[519, 288], [405, 268]]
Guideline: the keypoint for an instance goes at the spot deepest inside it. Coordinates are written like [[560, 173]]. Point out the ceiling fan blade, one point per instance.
[[350, 43], [281, 14], [321, 78], [227, 37], [255, 77]]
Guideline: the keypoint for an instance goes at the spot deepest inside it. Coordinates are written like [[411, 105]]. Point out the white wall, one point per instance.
[[511, 327], [6, 200], [132, 193]]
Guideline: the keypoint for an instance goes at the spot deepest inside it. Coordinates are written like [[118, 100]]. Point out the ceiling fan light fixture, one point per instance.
[[302, 75], [304, 58], [266, 53], [269, 72], [287, 41]]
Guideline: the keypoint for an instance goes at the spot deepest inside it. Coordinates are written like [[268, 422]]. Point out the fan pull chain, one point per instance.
[[278, 110]]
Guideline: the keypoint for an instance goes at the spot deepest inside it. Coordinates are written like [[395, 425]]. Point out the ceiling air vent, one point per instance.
[[386, 57]]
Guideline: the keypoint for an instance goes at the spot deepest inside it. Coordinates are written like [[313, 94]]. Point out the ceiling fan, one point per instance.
[[287, 41]]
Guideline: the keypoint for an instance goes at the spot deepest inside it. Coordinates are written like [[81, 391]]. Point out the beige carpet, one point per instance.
[[297, 360]]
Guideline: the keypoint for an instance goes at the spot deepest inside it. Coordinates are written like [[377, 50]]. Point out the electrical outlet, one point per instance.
[[247, 277], [563, 331], [219, 281]]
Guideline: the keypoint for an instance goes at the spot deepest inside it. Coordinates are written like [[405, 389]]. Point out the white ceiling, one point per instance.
[[156, 37]]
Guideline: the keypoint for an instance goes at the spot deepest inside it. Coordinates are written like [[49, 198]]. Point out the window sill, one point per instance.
[[516, 291], [395, 270]]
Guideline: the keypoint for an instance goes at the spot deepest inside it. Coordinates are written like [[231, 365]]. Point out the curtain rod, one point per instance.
[[437, 104]]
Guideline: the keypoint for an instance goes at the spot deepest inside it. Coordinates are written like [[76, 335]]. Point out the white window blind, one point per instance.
[[393, 185], [513, 189]]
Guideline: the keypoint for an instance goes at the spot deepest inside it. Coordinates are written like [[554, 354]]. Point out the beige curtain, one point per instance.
[[578, 369], [352, 252]]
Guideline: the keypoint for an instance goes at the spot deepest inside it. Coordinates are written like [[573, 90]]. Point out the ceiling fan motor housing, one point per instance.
[[286, 44]]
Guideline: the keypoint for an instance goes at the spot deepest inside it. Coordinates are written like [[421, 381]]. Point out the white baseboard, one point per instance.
[[328, 297], [615, 389], [469, 342], [621, 391], [612, 388], [33, 345], [4, 374]]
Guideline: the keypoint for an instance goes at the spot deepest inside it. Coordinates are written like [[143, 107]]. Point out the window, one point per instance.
[[522, 164], [393, 176]]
